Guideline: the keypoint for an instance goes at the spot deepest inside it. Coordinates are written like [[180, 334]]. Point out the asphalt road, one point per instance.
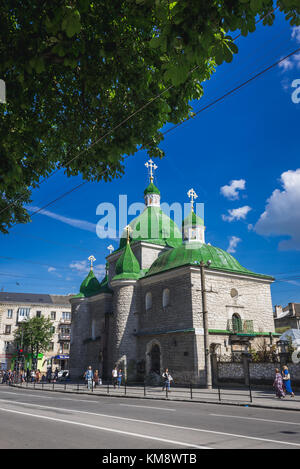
[[41, 419]]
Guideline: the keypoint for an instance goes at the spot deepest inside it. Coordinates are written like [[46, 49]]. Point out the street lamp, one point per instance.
[[205, 323]]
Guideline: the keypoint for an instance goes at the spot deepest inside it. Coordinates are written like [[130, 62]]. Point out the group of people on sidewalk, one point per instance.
[[282, 383], [93, 379]]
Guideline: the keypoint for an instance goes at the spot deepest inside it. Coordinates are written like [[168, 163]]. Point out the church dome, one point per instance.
[[192, 219], [127, 266], [153, 226], [89, 287], [188, 254]]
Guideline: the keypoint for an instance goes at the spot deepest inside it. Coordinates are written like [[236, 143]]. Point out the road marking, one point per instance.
[[149, 422], [255, 418], [148, 407], [96, 427]]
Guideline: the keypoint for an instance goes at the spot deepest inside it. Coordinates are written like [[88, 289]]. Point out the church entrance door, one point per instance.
[[155, 359]]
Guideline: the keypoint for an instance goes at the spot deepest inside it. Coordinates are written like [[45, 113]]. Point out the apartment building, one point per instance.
[[17, 307]]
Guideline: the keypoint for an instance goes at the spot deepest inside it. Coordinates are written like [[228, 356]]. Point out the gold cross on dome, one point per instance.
[[192, 195], [151, 167], [128, 230], [91, 259], [110, 248]]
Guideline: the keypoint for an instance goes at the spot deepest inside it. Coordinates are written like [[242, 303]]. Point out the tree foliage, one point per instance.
[[35, 335], [74, 69]]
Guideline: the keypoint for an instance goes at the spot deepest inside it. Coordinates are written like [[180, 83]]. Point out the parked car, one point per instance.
[[63, 374]]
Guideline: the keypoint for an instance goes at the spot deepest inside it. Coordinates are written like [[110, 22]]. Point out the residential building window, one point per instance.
[[52, 329], [148, 300], [66, 346], [7, 329], [9, 313], [51, 346], [66, 315], [23, 314], [38, 314], [53, 315]]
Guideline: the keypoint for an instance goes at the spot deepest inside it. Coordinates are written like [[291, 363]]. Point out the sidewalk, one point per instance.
[[229, 396]]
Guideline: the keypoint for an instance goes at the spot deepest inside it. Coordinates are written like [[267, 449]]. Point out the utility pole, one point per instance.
[[205, 325]]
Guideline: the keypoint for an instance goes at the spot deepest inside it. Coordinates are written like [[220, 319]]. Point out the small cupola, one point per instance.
[[193, 226]]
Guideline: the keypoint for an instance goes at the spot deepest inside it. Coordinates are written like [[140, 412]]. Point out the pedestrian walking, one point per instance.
[[114, 375], [89, 377], [119, 378], [49, 374], [32, 374], [167, 378], [278, 384], [56, 374], [287, 381], [96, 378], [37, 376]]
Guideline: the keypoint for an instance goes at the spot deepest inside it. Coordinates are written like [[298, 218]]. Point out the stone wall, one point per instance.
[[260, 373], [253, 301]]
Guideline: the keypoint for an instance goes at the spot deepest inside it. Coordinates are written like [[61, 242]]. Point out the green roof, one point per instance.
[[151, 189], [104, 288], [192, 219], [127, 266], [189, 253], [89, 287], [153, 226]]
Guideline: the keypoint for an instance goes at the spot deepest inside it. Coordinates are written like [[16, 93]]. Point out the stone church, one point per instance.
[[146, 314]]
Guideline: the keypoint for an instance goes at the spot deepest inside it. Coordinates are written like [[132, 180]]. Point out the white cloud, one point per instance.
[[294, 60], [231, 191], [287, 64], [282, 213], [296, 33], [83, 267], [82, 224], [233, 241], [51, 269], [237, 213]]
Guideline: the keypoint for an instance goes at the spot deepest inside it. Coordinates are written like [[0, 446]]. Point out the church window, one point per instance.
[[148, 300], [166, 297], [237, 325]]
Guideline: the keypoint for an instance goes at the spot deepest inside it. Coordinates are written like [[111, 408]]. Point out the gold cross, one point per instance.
[[129, 230], [152, 167], [192, 195], [91, 259], [110, 248]]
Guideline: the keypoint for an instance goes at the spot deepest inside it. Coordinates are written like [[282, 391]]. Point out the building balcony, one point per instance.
[[63, 336], [65, 321], [240, 326]]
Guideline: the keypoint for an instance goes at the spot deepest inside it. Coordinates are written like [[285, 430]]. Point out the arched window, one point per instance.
[[166, 297], [237, 324], [148, 300]]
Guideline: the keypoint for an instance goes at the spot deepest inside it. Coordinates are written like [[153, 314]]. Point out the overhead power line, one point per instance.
[[208, 106]]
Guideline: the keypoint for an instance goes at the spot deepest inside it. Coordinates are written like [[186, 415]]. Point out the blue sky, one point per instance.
[[252, 138]]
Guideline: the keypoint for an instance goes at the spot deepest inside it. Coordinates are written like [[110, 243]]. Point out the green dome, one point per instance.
[[127, 266], [192, 219], [104, 288], [151, 189], [153, 226], [188, 253], [89, 287]]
